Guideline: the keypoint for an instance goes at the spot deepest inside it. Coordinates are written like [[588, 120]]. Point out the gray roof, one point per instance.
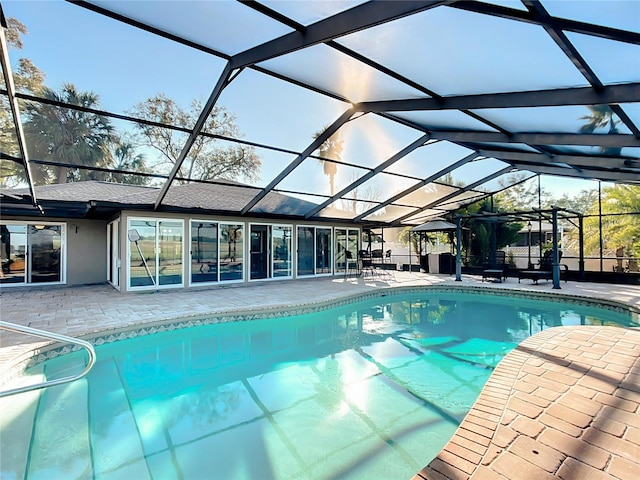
[[223, 197], [83, 192]]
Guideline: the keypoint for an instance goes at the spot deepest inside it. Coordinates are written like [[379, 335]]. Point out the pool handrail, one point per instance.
[[50, 336]]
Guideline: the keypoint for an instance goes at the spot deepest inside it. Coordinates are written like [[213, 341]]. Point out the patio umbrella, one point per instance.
[[435, 225]]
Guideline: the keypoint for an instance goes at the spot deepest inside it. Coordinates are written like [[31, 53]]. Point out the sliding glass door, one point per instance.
[[323, 251], [305, 251], [347, 245], [314, 251], [32, 253], [204, 252], [216, 252], [270, 251], [155, 253], [281, 248], [260, 252], [44, 243], [170, 263], [231, 252]]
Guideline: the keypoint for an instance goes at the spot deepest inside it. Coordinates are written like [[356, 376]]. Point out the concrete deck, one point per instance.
[[564, 404]]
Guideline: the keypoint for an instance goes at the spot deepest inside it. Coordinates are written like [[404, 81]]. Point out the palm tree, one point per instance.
[[331, 148], [480, 229], [620, 225], [125, 158], [68, 136], [601, 116]]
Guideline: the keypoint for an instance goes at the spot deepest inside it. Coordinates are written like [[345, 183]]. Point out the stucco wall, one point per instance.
[[86, 252]]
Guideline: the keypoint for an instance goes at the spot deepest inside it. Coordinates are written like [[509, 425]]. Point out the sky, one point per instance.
[[125, 66]]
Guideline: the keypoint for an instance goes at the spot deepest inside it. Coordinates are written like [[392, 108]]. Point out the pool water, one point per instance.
[[372, 389]]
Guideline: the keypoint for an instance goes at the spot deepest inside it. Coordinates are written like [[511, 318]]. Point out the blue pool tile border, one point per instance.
[[260, 313]]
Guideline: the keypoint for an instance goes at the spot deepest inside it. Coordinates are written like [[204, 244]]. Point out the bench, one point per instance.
[[546, 269]]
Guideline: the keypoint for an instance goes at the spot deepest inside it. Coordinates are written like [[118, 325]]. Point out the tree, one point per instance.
[[521, 195], [407, 237], [28, 78], [581, 202], [331, 148], [601, 116], [67, 136], [360, 199], [479, 244], [206, 159], [448, 179], [26, 75], [125, 158], [617, 230]]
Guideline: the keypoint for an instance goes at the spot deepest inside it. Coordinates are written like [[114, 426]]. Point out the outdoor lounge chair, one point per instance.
[[497, 270], [545, 270]]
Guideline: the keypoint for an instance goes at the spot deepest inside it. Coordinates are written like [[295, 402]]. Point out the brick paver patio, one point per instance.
[[564, 404]]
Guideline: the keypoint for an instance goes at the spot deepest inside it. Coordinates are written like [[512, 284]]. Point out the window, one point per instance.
[[155, 253], [32, 253], [231, 251]]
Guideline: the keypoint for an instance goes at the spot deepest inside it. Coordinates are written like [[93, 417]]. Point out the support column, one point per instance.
[[556, 260], [458, 249], [581, 246]]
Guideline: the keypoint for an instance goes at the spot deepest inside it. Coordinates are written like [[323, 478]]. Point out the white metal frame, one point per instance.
[[156, 285]]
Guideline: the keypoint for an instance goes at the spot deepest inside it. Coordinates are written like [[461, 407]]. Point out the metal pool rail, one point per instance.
[[51, 336]]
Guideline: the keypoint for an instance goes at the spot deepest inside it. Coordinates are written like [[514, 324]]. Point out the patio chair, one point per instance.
[[619, 257], [366, 262], [351, 265], [497, 270], [377, 258]]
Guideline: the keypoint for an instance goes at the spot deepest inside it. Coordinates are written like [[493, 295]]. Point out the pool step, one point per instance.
[[115, 438], [60, 442], [16, 425]]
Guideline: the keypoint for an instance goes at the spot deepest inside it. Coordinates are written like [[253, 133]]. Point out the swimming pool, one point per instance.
[[369, 388]]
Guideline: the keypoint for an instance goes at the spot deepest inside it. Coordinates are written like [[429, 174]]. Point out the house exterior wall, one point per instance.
[[88, 257], [86, 252]]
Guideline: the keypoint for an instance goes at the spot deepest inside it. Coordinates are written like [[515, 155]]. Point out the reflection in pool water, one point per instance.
[[374, 388]]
